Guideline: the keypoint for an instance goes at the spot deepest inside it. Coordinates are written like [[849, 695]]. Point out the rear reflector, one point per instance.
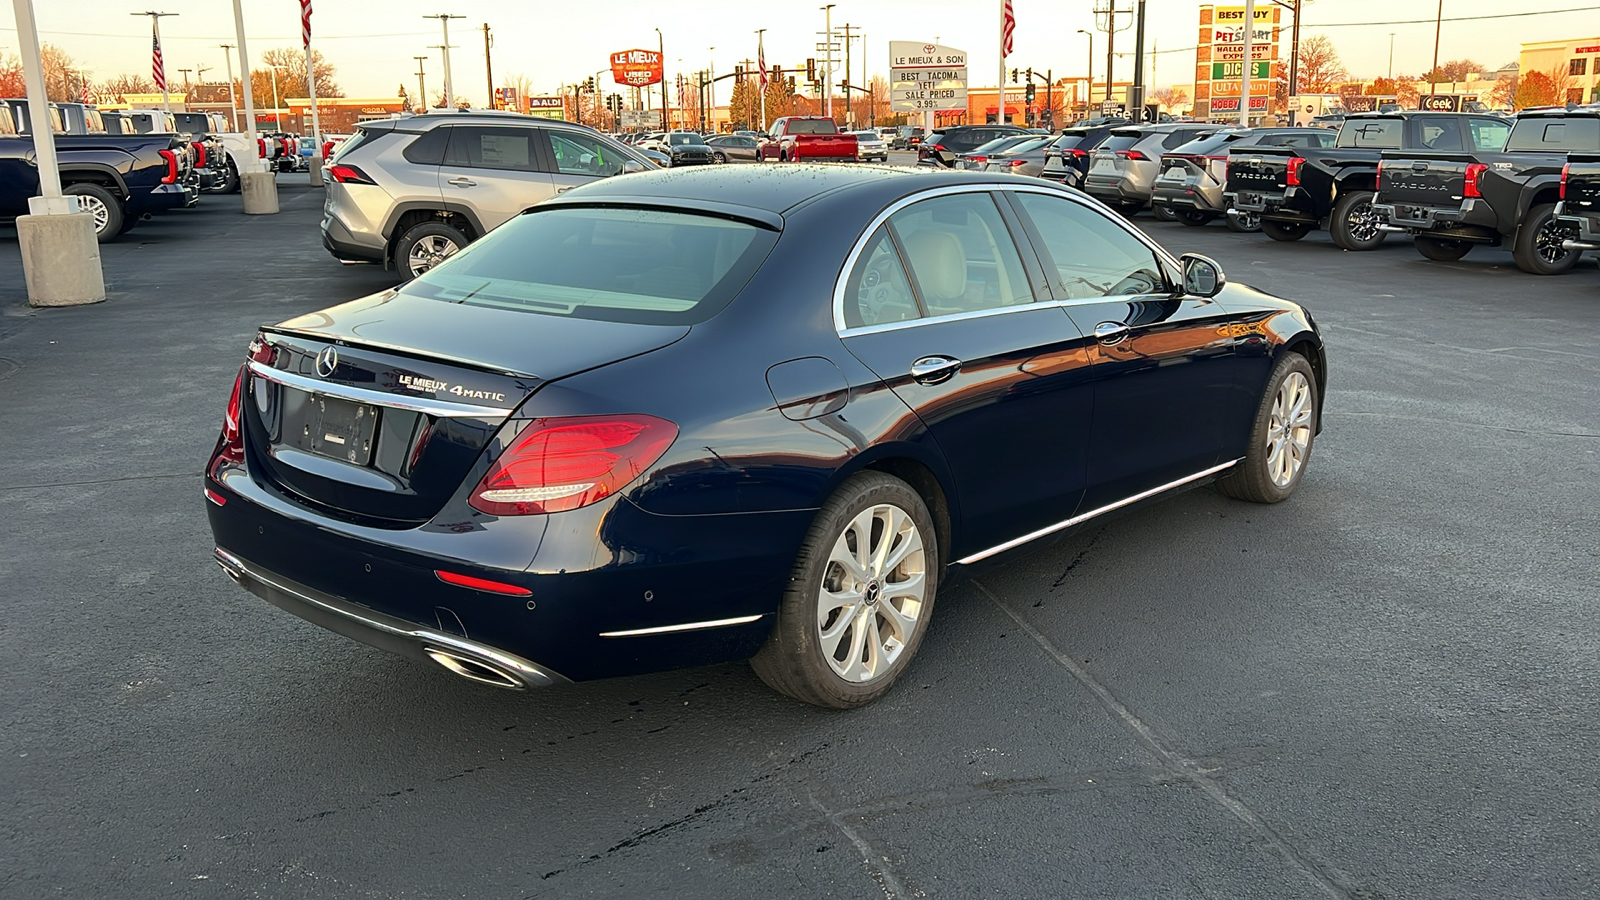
[[1293, 173], [1474, 171], [559, 464], [216, 498], [482, 584]]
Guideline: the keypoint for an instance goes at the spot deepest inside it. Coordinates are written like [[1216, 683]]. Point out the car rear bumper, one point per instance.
[[1187, 195], [161, 198], [345, 247], [1293, 205], [1588, 229], [1473, 220], [470, 659], [1115, 188]]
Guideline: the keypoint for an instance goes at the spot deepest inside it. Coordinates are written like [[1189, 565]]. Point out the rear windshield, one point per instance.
[[999, 144], [649, 267], [350, 143], [813, 126], [1375, 134], [1210, 144], [1121, 140], [1028, 144], [1075, 139], [194, 123], [1540, 133]]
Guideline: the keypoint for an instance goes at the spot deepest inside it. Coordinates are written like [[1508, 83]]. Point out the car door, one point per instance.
[[494, 171], [939, 305], [1163, 399], [577, 159]]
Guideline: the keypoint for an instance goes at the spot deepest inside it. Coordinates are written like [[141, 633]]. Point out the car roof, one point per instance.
[[772, 190]]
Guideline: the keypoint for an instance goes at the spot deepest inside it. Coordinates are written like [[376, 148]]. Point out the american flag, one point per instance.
[[1008, 28], [158, 69], [761, 63], [305, 22], [85, 92]]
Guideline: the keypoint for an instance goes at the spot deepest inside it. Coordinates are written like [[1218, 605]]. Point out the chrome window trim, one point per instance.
[[1084, 517], [842, 283], [436, 408]]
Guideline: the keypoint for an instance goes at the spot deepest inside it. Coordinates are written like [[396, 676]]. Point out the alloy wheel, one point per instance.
[[1548, 242], [1363, 221], [96, 207], [873, 593], [1289, 430], [429, 252]]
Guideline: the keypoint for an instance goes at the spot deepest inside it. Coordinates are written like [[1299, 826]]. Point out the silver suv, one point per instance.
[[409, 192], [1122, 171]]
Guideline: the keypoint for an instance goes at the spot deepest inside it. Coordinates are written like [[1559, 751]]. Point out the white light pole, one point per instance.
[[444, 21], [277, 116], [233, 100], [60, 255], [257, 187]]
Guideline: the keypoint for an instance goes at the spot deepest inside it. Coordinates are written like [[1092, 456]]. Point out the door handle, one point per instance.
[[563, 190], [1110, 332], [462, 181], [934, 369]]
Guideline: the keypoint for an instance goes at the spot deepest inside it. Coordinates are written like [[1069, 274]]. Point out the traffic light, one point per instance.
[[1030, 91], [1013, 76], [811, 68], [588, 85], [738, 71]]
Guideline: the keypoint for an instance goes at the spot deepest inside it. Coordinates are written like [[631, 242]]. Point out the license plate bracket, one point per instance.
[[1251, 200], [339, 429]]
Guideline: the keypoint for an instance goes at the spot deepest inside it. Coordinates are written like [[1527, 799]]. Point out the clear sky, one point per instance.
[[372, 42]]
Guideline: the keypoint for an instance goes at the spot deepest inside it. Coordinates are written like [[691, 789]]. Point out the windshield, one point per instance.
[[645, 266], [812, 126], [678, 140], [1376, 134]]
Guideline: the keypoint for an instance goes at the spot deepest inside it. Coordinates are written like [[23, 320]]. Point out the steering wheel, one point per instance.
[[879, 298]]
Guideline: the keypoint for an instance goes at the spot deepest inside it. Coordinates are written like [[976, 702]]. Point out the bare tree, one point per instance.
[[1170, 98], [121, 85], [1505, 92], [1320, 69], [11, 83], [291, 79]]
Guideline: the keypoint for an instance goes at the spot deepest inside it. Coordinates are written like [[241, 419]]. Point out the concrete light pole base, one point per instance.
[[316, 175], [260, 192], [61, 259]]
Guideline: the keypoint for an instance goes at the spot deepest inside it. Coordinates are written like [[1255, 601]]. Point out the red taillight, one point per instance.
[[559, 464], [349, 175], [1132, 154], [327, 149], [199, 155], [1562, 193], [1017, 162], [288, 147], [1292, 177], [1077, 152], [481, 584], [230, 447], [937, 148], [977, 159], [1474, 170], [261, 146], [1380, 173], [171, 156]]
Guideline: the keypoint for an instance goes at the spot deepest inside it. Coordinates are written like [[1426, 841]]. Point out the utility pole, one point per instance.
[[1433, 73], [488, 67], [422, 81], [711, 87], [661, 48], [258, 188], [186, 79], [1136, 102], [444, 22], [200, 75], [827, 77], [1110, 28], [155, 29], [1391, 56], [848, 116], [1088, 96], [233, 100]]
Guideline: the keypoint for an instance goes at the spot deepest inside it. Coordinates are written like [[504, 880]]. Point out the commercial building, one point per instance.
[[1573, 64]]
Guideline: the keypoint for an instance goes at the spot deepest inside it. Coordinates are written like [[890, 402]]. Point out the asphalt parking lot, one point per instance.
[[1384, 688]]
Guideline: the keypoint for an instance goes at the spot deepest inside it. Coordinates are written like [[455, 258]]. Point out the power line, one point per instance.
[[191, 37], [1515, 15]]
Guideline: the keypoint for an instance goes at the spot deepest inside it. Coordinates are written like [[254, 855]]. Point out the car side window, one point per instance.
[[579, 154], [478, 147], [878, 290], [1089, 255], [1440, 134], [961, 255], [1488, 135]]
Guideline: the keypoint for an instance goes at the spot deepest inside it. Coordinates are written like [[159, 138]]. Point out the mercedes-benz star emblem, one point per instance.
[[327, 361]]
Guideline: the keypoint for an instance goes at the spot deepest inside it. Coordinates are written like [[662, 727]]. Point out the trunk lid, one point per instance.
[[1423, 179], [1259, 170], [1583, 184], [378, 410]]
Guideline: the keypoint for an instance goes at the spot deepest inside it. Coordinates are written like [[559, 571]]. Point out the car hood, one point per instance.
[[500, 340]]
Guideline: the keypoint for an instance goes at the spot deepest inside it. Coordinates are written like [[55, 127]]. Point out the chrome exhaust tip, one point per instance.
[[478, 670]]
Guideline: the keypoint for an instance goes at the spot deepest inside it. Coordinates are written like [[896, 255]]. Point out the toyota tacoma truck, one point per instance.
[[228, 152], [117, 178], [808, 139], [1452, 201], [1295, 189], [1579, 205]]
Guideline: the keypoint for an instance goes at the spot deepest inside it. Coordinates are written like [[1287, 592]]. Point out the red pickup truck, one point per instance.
[[808, 139]]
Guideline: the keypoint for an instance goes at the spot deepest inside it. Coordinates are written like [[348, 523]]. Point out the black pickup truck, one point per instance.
[[1579, 206], [120, 179], [1297, 189], [1453, 201]]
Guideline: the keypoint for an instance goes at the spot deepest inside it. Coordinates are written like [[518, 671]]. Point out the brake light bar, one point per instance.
[[1292, 175], [172, 166], [1474, 171], [481, 584]]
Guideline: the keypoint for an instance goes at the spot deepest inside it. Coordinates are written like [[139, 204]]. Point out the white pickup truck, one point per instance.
[[241, 157]]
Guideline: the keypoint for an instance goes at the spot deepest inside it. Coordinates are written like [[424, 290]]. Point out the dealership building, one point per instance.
[[1578, 60]]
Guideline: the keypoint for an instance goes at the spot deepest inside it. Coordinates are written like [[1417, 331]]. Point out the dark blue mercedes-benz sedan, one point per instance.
[[702, 415]]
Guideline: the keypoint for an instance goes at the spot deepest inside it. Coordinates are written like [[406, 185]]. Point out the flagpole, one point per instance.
[[315, 176], [1000, 89], [761, 82], [166, 98]]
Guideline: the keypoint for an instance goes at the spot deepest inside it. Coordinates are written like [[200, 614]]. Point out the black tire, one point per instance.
[[1195, 217], [1244, 222], [426, 234], [1284, 231], [1162, 213], [1442, 249], [229, 182], [1353, 224], [720, 156], [1252, 478], [105, 206], [1537, 248], [794, 660]]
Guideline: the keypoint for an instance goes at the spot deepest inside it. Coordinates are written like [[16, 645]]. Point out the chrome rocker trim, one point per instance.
[[436, 408], [1084, 517], [467, 658], [686, 626]]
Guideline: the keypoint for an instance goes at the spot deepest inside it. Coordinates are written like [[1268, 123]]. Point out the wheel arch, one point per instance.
[[95, 173], [1307, 344], [912, 465], [407, 216]]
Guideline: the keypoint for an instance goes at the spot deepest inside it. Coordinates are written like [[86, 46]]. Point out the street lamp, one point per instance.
[[277, 114], [1088, 95]]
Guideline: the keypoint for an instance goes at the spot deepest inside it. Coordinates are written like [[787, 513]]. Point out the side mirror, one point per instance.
[[1202, 276], [630, 166]]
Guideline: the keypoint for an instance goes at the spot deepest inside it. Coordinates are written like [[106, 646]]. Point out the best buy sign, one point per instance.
[[1221, 71]]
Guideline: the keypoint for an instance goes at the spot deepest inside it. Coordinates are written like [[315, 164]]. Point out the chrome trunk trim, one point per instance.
[[424, 405]]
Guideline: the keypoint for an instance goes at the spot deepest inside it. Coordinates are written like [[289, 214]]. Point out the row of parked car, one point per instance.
[[789, 139], [126, 166], [1450, 181]]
